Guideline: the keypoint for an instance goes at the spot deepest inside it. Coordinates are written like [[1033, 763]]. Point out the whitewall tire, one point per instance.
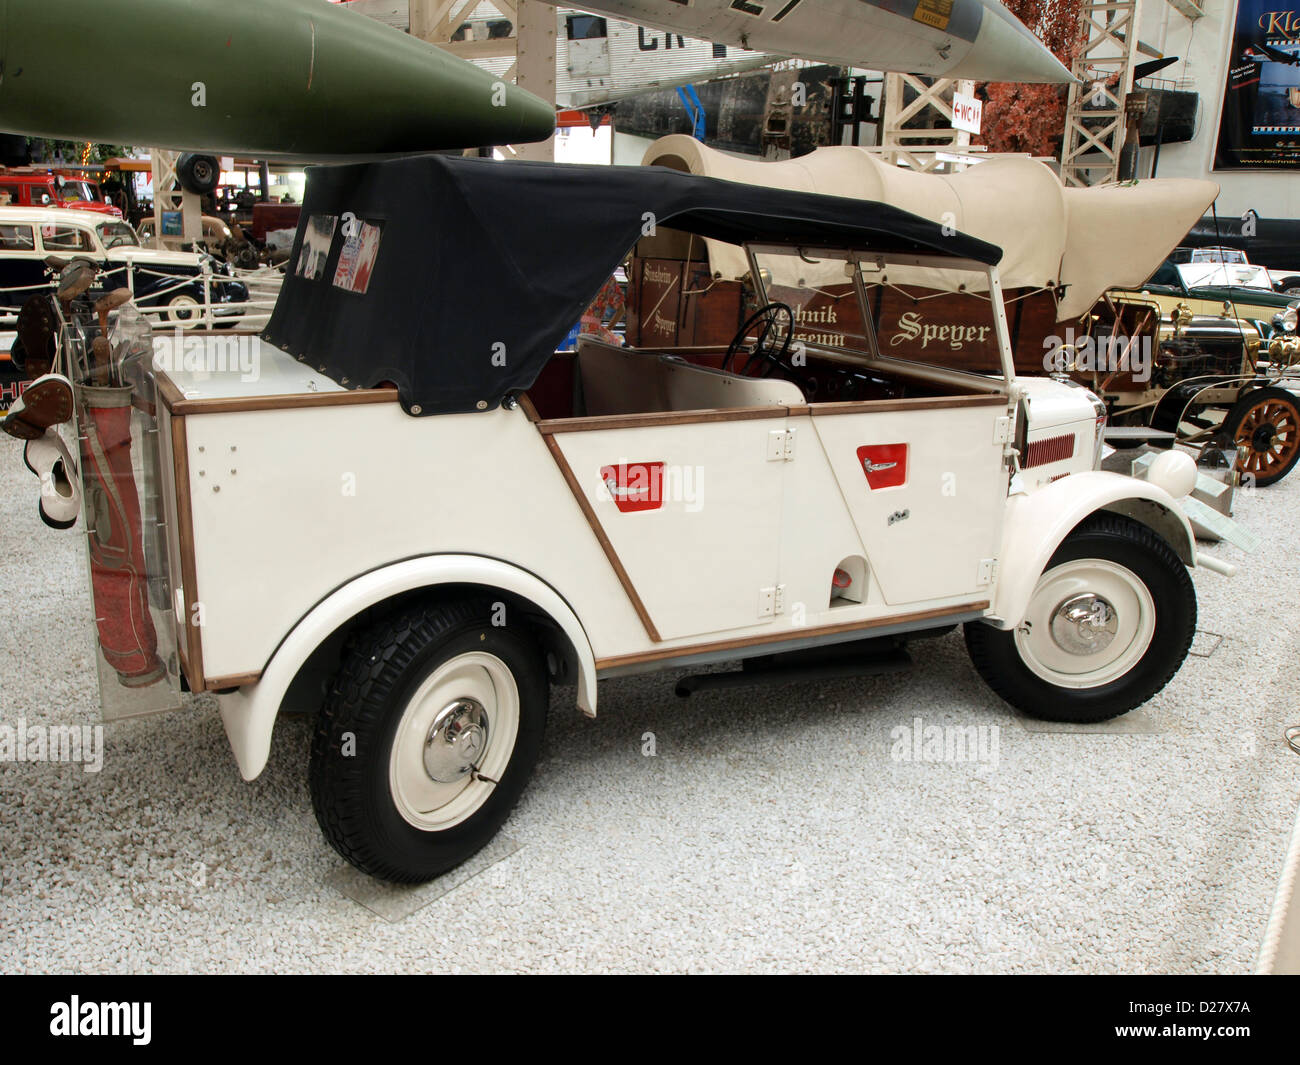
[[1108, 624]]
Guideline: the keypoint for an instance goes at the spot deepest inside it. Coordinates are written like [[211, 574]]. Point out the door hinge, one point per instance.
[[780, 445], [771, 601], [987, 572], [1002, 430]]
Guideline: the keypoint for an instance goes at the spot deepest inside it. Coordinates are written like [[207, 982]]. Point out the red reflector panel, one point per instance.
[[885, 465], [635, 485], [1052, 449]]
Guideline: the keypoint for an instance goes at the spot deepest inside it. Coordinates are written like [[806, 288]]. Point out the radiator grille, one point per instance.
[[1051, 449]]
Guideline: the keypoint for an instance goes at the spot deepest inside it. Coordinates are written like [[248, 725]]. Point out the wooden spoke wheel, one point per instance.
[[1265, 426]]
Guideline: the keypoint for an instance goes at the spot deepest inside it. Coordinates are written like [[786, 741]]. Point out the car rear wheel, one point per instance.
[[1265, 427], [427, 737], [184, 309], [1108, 624]]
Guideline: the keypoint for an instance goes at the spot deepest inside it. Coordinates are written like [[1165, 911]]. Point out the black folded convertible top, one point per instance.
[[456, 278]]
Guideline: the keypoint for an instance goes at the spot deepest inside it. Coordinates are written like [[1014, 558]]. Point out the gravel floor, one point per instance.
[[772, 830]]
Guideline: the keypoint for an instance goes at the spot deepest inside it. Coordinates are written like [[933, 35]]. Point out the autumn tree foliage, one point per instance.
[[1031, 118]]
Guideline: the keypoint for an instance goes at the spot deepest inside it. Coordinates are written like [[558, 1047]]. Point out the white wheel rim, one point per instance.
[[475, 678], [1088, 588], [183, 308]]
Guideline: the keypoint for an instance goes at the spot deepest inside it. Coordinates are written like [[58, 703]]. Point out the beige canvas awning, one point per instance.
[[1084, 240]]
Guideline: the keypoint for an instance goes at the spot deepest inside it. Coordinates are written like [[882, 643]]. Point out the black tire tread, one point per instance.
[[373, 665], [984, 643]]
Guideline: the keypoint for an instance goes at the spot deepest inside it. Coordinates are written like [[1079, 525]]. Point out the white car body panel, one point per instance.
[[953, 468], [369, 487]]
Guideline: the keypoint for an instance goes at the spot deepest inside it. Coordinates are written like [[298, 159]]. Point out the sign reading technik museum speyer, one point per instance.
[[1260, 125]]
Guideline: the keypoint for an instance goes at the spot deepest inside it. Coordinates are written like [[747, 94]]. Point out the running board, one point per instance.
[[852, 660]]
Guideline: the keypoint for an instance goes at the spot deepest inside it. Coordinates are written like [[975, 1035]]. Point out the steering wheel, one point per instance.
[[772, 346]]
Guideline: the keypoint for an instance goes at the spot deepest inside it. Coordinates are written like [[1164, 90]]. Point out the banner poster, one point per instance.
[[1259, 128]]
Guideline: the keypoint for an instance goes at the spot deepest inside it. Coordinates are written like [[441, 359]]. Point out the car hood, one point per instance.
[[1052, 403]]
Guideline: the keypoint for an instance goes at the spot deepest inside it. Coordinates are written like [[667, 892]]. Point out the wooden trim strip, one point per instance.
[[642, 421], [236, 404], [868, 406], [167, 391], [787, 635], [193, 658], [685, 349], [235, 680], [567, 471], [530, 412]]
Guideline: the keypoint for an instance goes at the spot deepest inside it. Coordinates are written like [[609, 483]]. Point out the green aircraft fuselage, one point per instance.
[[284, 79]]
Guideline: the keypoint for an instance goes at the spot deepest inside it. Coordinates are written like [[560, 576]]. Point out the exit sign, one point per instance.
[[966, 112]]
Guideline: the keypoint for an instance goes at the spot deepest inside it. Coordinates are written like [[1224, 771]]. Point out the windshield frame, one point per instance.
[[877, 261], [107, 244]]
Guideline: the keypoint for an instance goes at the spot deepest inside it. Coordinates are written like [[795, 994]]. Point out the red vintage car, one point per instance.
[[30, 187]]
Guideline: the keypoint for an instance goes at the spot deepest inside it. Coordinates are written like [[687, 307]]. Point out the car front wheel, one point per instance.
[[1108, 624], [427, 737]]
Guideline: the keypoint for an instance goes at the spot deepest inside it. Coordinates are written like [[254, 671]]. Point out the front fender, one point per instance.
[[1037, 522], [249, 713]]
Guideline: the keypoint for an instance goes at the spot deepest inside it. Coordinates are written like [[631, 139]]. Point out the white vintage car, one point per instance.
[[171, 282], [401, 510]]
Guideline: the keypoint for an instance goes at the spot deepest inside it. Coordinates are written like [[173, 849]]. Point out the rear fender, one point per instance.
[[249, 713]]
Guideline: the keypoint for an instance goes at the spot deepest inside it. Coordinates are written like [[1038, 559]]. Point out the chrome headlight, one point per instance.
[[1099, 411], [1285, 321]]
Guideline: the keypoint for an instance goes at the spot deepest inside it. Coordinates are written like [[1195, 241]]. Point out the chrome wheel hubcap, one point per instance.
[[456, 741], [1084, 624]]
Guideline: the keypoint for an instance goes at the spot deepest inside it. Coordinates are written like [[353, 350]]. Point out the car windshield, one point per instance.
[[77, 192], [1218, 255], [117, 234], [909, 320]]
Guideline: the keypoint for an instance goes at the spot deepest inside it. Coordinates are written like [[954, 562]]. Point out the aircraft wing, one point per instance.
[[978, 39]]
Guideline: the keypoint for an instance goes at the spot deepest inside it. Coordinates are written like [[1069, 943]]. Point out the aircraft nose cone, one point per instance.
[[532, 117], [1006, 50]]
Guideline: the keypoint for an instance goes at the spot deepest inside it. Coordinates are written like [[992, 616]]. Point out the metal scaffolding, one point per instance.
[[1095, 120], [904, 142]]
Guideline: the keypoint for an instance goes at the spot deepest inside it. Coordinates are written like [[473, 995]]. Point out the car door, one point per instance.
[[689, 509], [925, 483]]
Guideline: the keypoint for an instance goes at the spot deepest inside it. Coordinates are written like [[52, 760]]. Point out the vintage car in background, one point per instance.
[[1204, 367], [1216, 373], [218, 240], [1235, 289], [30, 187], [1234, 268], [449, 516], [170, 282]]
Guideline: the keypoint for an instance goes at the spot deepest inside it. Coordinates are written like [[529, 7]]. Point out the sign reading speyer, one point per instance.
[[966, 112]]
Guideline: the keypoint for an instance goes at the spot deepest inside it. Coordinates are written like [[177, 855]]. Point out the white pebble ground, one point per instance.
[[772, 831]]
